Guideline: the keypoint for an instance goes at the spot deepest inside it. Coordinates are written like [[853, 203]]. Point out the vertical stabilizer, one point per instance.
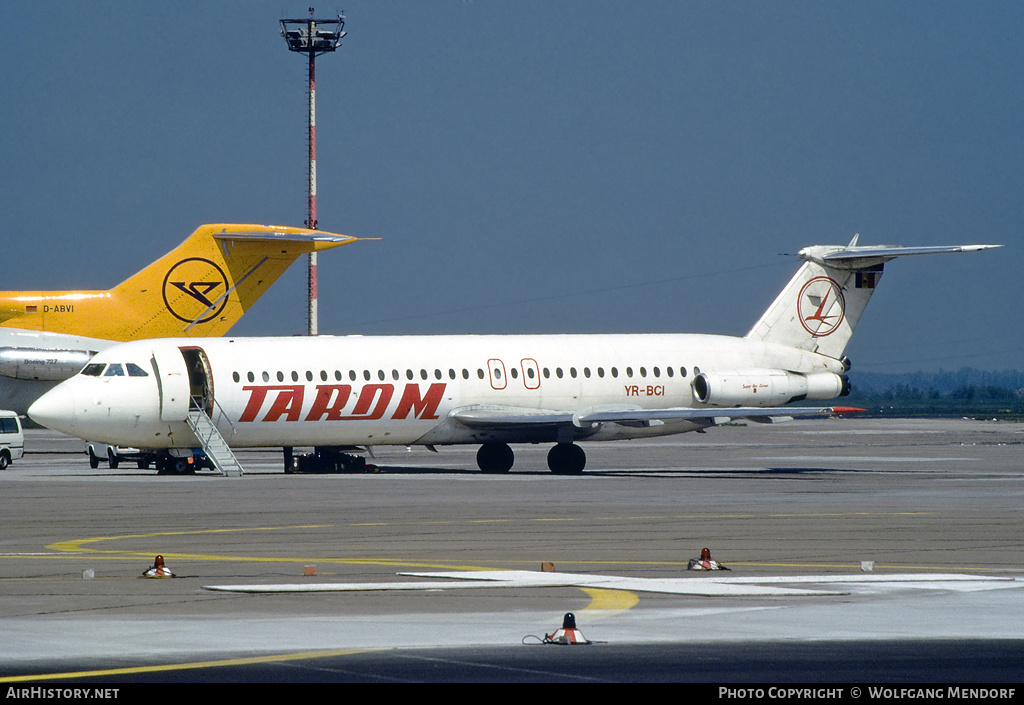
[[201, 288], [820, 306]]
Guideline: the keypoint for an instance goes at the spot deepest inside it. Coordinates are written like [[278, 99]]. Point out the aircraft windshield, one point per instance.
[[115, 369]]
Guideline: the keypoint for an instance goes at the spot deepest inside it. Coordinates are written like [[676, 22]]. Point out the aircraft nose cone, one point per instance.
[[55, 409]]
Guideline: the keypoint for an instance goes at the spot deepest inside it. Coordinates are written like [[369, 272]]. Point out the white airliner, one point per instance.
[[340, 393]]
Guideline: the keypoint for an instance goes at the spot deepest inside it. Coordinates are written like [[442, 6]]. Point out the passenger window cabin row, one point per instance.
[[497, 372], [130, 369]]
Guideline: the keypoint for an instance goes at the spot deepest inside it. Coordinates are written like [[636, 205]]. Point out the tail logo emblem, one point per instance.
[[192, 286], [821, 306]]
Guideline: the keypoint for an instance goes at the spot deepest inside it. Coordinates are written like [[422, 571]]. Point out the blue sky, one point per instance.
[[536, 166]]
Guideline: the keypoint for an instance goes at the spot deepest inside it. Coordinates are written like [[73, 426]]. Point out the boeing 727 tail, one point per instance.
[[201, 288]]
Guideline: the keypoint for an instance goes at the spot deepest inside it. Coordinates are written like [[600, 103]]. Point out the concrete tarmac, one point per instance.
[[811, 503]]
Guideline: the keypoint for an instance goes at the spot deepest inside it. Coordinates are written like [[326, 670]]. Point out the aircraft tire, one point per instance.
[[495, 458], [567, 459]]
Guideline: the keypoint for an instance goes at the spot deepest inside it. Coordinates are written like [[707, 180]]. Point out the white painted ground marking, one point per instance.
[[707, 586], [525, 579]]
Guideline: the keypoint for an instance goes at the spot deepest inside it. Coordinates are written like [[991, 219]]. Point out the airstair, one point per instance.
[[213, 443]]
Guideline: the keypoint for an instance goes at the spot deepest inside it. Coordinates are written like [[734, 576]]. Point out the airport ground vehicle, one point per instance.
[[12, 438], [167, 463]]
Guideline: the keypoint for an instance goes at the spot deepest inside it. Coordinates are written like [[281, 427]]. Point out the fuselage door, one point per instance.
[[172, 382], [200, 379]]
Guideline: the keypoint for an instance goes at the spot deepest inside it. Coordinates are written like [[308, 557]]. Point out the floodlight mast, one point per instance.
[[312, 37]]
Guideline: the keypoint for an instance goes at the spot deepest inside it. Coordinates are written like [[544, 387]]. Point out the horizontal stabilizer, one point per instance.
[[317, 239], [861, 257]]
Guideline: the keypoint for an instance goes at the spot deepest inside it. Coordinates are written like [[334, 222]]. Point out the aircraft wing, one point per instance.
[[716, 415], [510, 417], [494, 418]]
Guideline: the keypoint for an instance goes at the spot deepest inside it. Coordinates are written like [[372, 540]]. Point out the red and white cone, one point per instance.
[[568, 634], [705, 562], [158, 570]]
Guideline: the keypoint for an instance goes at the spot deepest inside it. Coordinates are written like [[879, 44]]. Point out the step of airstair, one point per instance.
[[214, 445]]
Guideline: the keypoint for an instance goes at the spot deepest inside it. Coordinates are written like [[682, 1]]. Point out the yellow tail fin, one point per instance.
[[201, 288]]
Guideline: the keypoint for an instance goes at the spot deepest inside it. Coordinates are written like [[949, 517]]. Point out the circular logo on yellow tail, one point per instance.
[[821, 306], [191, 288]]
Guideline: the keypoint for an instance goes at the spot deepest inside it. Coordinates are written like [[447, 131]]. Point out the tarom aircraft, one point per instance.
[[341, 393], [201, 288]]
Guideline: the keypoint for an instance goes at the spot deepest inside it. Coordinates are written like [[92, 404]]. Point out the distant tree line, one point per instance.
[[965, 392]]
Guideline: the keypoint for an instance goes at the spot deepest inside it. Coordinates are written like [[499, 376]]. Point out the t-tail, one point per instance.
[[822, 303], [201, 288]]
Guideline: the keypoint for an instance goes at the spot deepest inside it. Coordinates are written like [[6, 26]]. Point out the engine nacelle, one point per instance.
[[42, 364], [766, 387]]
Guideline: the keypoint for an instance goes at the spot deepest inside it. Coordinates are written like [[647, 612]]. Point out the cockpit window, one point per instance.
[[136, 371], [114, 370], [93, 369]]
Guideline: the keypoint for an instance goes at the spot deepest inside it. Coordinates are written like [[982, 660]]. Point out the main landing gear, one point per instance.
[[495, 457], [323, 460], [563, 458], [567, 459]]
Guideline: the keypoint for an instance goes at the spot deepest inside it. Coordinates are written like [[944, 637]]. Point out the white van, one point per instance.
[[12, 439]]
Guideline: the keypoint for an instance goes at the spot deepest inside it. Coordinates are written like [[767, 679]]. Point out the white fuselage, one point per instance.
[[402, 390]]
